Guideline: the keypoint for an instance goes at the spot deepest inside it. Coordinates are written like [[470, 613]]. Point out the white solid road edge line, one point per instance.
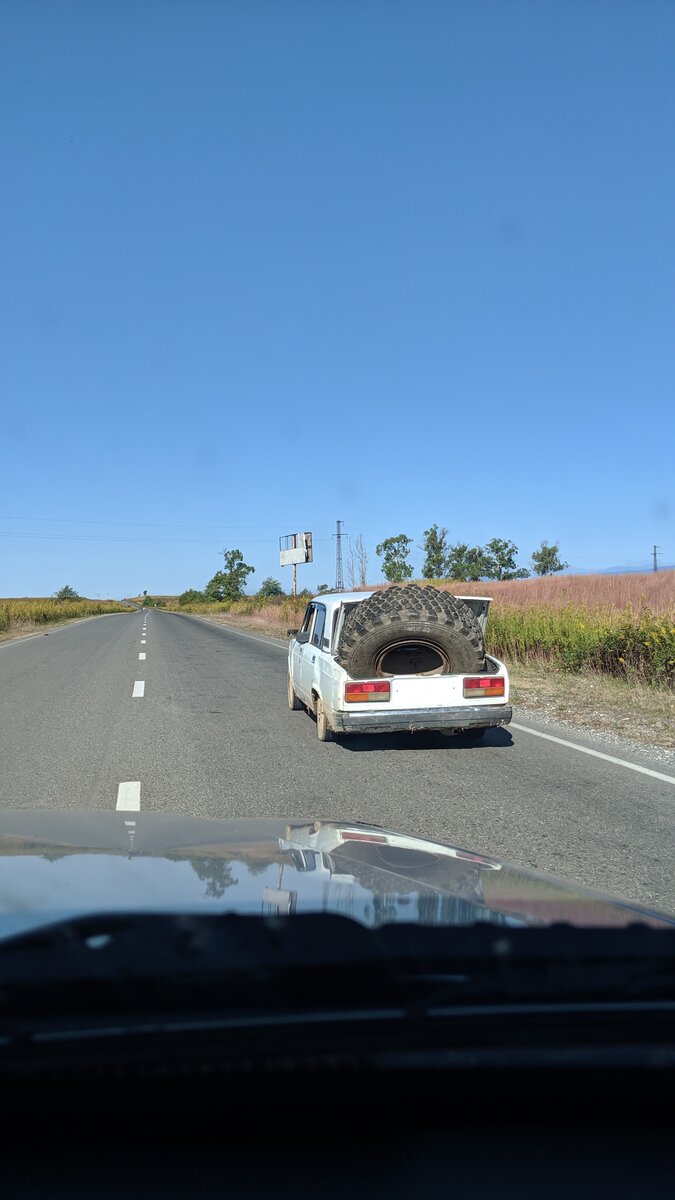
[[129, 797], [139, 688], [620, 762]]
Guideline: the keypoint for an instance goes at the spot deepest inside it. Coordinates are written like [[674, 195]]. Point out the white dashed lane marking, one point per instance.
[[129, 796], [142, 654], [139, 688]]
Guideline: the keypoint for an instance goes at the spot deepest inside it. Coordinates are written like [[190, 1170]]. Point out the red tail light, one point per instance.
[[375, 690], [349, 836], [484, 685]]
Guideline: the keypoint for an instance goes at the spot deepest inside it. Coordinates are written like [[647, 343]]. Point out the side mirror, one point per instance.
[[302, 638], [291, 632]]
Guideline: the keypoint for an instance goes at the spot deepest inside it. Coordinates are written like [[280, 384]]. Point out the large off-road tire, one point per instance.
[[410, 630]]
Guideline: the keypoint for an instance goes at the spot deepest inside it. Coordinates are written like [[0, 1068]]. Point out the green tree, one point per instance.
[[467, 563], [216, 587], [456, 561], [436, 550], [394, 553], [66, 593], [322, 588], [270, 587], [191, 596], [148, 601], [501, 560], [546, 560], [477, 563], [229, 584]]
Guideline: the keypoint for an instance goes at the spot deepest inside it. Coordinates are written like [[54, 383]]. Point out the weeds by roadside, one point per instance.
[[635, 646], [630, 646], [24, 615]]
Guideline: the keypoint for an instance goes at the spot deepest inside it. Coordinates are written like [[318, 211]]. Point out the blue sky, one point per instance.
[[266, 265]]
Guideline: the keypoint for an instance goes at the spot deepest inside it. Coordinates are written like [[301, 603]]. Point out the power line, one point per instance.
[[91, 537], [162, 525], [129, 524]]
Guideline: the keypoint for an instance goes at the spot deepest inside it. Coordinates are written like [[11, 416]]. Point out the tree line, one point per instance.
[[227, 584], [230, 583], [462, 562]]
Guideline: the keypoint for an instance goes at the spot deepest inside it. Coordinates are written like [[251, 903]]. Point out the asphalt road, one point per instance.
[[211, 736]]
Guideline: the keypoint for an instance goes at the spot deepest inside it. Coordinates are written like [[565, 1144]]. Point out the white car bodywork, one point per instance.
[[325, 838], [417, 702]]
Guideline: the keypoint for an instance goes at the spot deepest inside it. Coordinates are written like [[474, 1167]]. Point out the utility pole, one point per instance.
[[339, 581], [295, 567], [655, 552]]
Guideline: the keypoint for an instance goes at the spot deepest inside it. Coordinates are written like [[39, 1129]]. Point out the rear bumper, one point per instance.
[[410, 720]]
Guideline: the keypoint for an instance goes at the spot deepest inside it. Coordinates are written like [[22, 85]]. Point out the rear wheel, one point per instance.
[[323, 729], [474, 735], [293, 701]]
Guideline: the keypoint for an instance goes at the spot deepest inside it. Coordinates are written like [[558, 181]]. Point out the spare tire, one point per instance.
[[410, 630]]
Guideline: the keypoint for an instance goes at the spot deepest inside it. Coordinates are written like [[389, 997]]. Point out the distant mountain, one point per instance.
[[624, 569]]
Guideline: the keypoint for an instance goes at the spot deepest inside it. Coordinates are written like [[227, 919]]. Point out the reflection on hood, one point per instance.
[[65, 864]]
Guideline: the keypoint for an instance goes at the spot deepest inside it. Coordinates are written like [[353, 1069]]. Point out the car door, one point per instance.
[[312, 648], [299, 646]]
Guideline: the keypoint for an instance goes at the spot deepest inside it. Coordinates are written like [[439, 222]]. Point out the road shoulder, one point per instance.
[[29, 629]]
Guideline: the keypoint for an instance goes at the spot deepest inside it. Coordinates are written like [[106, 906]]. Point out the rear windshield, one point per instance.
[[346, 609]]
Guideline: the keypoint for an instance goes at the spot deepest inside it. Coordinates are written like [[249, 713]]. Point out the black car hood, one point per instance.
[[61, 864]]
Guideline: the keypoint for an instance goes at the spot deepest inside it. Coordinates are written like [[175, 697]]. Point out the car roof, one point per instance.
[[335, 598]]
